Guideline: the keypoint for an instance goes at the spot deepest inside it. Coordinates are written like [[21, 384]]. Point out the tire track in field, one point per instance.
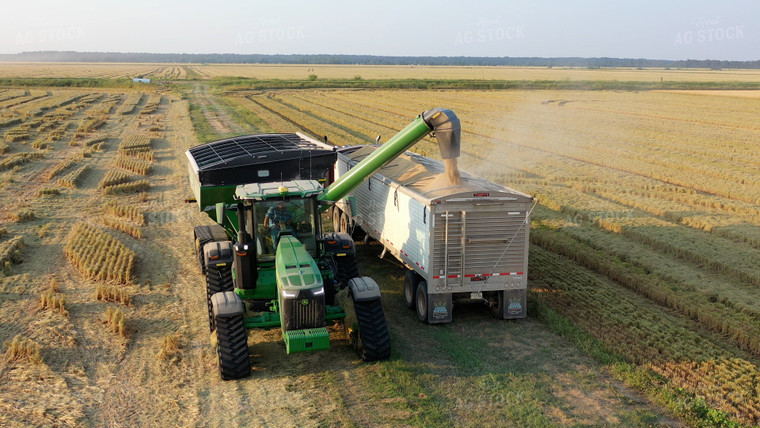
[[281, 116], [216, 117]]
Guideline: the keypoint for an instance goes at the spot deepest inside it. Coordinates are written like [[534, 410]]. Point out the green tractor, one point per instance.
[[267, 261]]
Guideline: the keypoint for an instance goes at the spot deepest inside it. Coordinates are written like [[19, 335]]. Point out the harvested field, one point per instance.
[[644, 291]]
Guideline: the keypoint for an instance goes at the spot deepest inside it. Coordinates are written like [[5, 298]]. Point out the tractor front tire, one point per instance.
[[218, 278], [373, 341], [232, 347]]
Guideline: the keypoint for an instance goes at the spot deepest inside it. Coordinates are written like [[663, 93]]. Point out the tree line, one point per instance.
[[228, 58]]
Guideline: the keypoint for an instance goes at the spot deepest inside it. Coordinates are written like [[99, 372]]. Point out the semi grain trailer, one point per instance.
[[462, 240]]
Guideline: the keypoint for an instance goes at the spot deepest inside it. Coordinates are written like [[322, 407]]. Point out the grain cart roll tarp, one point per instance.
[[466, 241], [215, 169]]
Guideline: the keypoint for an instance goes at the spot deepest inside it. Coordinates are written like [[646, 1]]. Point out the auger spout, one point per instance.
[[447, 130]]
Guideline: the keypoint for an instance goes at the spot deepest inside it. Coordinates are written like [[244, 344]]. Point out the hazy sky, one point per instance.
[[662, 29]]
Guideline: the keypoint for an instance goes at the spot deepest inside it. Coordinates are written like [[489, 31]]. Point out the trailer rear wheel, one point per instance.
[[422, 301], [411, 280], [373, 341], [218, 278], [497, 307], [232, 347], [345, 223]]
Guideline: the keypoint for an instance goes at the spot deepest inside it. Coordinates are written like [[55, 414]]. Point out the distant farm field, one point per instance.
[[280, 71], [644, 277]]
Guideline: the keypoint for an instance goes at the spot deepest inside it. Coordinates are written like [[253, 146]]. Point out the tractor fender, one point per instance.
[[339, 244], [226, 304], [218, 253], [364, 289]]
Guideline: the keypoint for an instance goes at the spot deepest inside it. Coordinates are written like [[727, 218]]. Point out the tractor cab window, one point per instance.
[[294, 216]]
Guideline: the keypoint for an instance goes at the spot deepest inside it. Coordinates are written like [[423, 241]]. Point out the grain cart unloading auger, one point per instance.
[[267, 262]]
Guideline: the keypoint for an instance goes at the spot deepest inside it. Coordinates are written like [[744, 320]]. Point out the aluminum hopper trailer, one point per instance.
[[466, 241]]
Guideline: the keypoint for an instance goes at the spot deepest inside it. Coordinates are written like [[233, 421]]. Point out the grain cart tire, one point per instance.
[[422, 301], [203, 235], [231, 336], [373, 341], [336, 215], [411, 280]]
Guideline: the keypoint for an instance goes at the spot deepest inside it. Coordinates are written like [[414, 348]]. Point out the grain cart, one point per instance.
[[267, 262], [465, 240]]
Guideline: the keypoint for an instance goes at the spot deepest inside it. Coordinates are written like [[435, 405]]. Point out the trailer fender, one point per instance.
[[218, 253]]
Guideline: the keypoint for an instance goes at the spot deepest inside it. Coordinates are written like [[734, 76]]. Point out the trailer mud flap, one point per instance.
[[514, 304], [440, 308]]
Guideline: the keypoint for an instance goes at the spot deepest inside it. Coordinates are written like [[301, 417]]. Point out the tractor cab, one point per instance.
[[273, 210]]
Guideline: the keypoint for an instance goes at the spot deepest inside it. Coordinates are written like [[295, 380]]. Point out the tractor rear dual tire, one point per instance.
[[373, 340], [232, 347]]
